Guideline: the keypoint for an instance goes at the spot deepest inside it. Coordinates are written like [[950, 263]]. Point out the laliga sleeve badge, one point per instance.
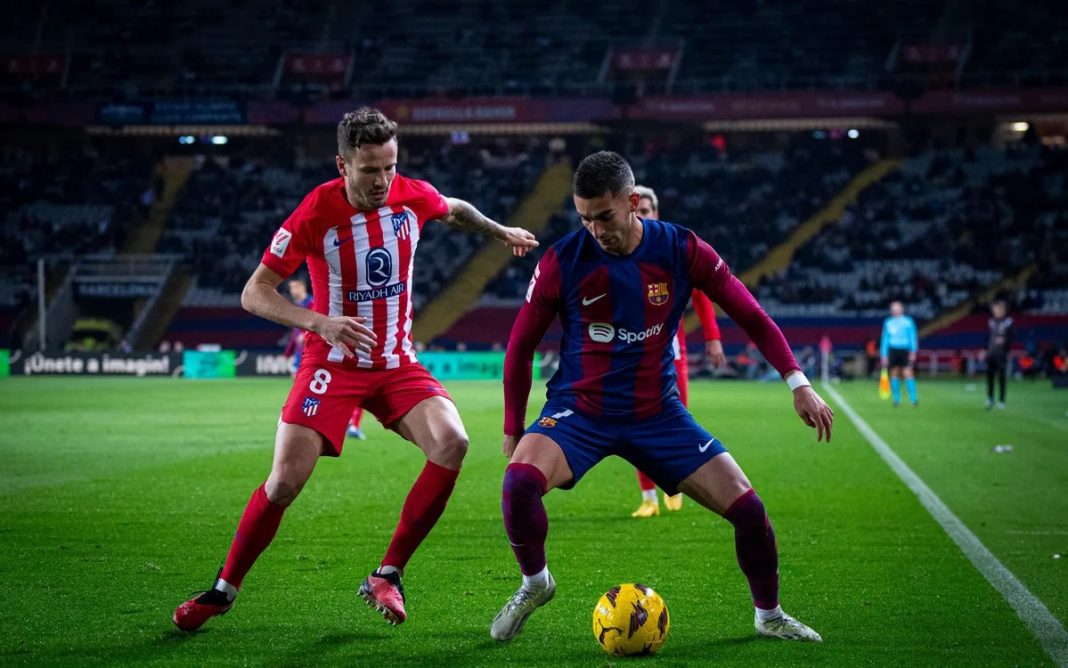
[[280, 242]]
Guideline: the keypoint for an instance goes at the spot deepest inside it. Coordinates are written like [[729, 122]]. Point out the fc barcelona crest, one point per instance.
[[547, 422], [402, 227], [658, 293]]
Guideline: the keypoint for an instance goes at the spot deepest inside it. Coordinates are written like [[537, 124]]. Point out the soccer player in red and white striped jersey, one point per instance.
[[358, 235]]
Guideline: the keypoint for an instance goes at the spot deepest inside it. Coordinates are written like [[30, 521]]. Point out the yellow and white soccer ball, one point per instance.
[[631, 620]]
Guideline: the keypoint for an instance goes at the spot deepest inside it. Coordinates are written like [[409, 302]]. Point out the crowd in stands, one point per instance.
[[71, 203], [756, 46], [947, 224], [201, 49]]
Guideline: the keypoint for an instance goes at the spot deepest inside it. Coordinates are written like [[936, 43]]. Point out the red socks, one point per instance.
[[424, 505], [645, 483], [258, 525]]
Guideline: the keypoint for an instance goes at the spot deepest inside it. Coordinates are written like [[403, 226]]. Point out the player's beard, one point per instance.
[[377, 199], [367, 199]]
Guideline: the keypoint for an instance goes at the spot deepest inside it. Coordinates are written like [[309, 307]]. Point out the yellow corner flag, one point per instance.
[[884, 384]]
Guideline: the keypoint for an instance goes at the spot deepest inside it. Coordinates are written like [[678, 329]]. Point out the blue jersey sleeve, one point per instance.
[[914, 343], [884, 342]]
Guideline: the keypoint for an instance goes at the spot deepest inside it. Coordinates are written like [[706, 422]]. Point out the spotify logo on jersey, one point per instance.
[[602, 332]]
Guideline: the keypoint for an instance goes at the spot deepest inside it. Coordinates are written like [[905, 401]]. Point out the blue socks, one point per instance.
[[910, 386], [895, 390]]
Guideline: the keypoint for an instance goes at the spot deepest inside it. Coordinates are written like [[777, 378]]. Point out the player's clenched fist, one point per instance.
[[347, 333], [814, 411]]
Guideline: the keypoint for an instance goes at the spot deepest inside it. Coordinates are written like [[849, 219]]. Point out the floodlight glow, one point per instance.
[[219, 140]]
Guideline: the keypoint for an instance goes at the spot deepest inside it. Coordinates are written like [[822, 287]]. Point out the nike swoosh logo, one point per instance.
[[338, 242], [704, 447], [586, 301]]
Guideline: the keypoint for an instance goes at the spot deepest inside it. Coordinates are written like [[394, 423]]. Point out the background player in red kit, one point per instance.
[[619, 287], [649, 207], [358, 235]]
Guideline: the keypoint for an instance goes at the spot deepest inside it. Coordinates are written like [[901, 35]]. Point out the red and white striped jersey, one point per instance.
[[360, 262]]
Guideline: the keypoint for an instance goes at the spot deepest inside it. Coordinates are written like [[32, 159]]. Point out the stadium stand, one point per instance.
[[947, 224], [57, 207], [200, 48]]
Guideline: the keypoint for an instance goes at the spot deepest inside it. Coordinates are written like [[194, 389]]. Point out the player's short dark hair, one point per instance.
[[366, 125], [602, 173]]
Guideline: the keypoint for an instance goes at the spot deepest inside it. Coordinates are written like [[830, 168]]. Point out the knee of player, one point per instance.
[[748, 511], [450, 449], [523, 480], [280, 491]]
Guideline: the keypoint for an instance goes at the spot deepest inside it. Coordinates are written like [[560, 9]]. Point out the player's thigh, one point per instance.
[[578, 443], [669, 446], [434, 425], [546, 454], [717, 484], [296, 450], [322, 398]]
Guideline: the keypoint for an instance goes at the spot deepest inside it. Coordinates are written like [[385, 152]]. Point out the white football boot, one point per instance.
[[786, 627], [510, 620]]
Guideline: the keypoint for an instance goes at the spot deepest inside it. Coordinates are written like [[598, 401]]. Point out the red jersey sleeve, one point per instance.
[[428, 203], [537, 313], [290, 244], [706, 313], [710, 274]]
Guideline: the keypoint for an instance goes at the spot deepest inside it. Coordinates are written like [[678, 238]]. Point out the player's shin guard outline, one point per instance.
[[525, 520], [255, 531], [754, 543], [422, 509]]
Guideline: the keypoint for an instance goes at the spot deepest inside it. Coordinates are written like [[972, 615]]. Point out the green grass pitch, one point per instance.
[[120, 497]]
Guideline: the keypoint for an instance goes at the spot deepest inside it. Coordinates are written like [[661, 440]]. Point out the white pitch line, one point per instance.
[[1041, 622]]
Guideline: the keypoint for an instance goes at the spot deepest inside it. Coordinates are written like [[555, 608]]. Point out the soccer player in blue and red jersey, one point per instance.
[[619, 287], [358, 235]]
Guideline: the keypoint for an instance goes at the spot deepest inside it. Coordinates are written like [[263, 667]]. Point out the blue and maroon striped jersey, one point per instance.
[[619, 315]]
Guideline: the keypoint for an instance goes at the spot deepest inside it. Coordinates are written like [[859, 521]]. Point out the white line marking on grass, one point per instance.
[[1045, 627]]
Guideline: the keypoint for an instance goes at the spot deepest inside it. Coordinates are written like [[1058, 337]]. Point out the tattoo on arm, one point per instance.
[[464, 216]]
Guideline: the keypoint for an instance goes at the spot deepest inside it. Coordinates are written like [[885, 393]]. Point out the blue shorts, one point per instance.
[[667, 447]]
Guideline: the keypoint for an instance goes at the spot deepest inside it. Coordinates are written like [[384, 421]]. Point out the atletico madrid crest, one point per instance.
[[402, 227], [658, 293]]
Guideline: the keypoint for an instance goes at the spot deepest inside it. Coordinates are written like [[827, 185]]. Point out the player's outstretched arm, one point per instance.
[[260, 297], [535, 316], [712, 276], [464, 216]]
